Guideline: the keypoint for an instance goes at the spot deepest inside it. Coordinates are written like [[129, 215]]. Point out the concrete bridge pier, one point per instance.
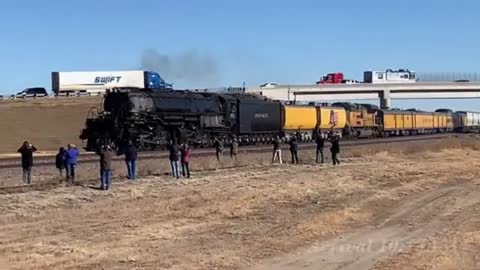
[[384, 99]]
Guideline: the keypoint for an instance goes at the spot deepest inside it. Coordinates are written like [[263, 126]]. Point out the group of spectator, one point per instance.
[[293, 143], [320, 145], [107, 154], [66, 160], [179, 156]]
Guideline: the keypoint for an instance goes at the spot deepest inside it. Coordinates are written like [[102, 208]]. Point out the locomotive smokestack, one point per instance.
[[189, 67]]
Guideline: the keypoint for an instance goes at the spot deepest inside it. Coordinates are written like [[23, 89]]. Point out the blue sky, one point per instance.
[[252, 41]]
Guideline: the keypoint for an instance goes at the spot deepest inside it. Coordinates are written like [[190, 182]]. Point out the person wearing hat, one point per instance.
[[71, 158], [26, 150]]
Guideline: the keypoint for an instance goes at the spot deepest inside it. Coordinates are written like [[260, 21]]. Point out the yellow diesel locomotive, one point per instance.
[[365, 120]]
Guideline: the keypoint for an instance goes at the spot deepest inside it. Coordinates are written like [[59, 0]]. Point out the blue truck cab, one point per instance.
[[154, 81]]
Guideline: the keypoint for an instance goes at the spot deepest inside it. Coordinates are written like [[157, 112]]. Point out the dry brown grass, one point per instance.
[[48, 124], [471, 142], [232, 218]]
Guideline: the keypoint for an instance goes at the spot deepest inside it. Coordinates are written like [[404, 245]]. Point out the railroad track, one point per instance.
[[44, 161], [203, 153]]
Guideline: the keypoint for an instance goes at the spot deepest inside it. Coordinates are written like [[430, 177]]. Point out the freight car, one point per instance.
[[413, 122], [154, 118], [308, 121], [466, 121]]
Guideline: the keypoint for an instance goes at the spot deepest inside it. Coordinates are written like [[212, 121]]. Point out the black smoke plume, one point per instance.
[[189, 67]]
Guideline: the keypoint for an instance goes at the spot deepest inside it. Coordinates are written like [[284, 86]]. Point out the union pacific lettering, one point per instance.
[[107, 79], [262, 115]]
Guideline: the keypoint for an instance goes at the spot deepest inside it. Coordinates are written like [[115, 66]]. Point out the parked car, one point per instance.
[[462, 81], [31, 92], [268, 85], [350, 81]]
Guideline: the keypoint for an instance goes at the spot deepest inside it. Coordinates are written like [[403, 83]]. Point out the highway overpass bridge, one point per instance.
[[384, 92]]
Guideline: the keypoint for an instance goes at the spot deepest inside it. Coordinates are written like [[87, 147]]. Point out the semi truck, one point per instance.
[[331, 78], [390, 76], [97, 82]]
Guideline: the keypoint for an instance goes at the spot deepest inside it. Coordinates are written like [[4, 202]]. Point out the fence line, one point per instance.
[[447, 76]]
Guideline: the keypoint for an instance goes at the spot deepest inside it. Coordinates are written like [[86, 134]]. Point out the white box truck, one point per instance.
[[96, 82]]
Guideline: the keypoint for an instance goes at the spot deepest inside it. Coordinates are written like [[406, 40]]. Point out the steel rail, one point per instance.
[[205, 153]]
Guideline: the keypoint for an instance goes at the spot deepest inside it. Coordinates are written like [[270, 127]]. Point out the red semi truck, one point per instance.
[[331, 78]]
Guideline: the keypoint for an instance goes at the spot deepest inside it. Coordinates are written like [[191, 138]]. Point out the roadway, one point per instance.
[[360, 91], [386, 92]]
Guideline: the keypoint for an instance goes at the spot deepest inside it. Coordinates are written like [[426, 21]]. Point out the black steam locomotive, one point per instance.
[[154, 118]]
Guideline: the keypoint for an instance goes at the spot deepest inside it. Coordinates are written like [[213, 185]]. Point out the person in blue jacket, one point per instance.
[[71, 158]]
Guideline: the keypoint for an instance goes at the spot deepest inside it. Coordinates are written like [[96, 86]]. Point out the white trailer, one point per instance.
[[96, 82], [389, 76]]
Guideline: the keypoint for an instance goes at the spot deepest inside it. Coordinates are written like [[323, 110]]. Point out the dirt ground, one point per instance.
[[406, 209], [47, 123]]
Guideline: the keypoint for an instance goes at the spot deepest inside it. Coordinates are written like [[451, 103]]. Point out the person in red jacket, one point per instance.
[[186, 152]]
